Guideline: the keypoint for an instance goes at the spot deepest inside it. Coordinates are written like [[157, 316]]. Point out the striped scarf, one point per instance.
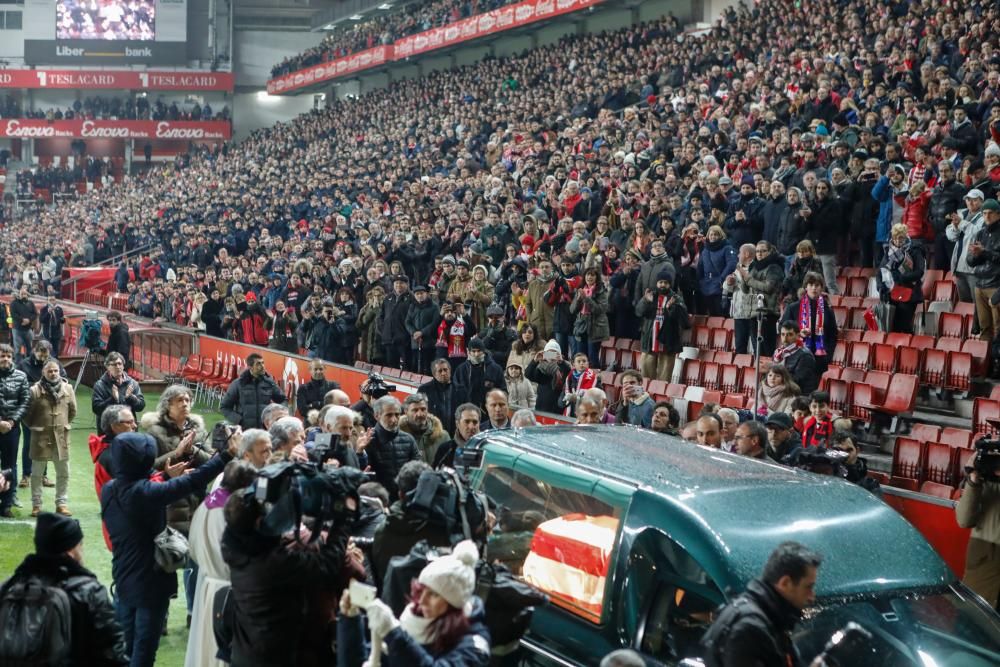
[[815, 340]]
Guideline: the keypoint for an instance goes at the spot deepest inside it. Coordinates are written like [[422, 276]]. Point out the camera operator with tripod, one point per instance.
[[979, 509]]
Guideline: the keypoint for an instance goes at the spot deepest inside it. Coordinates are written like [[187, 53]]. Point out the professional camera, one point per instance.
[[376, 387], [221, 433], [291, 490], [324, 446], [90, 332], [987, 460], [847, 645], [819, 460]]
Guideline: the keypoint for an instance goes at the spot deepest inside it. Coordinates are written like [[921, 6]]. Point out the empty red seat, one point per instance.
[[931, 276], [609, 356], [720, 339], [840, 313], [980, 352], [675, 390], [907, 483], [716, 322], [734, 401], [702, 337], [879, 476], [908, 360], [922, 342], [939, 463], [711, 396], [898, 339], [839, 355], [849, 271], [925, 432], [901, 396], [907, 458], [874, 337], [934, 369], [963, 460], [862, 400], [850, 335], [948, 344], [944, 290], [857, 286], [859, 356], [842, 284], [840, 395], [857, 319], [729, 378], [692, 372], [723, 358], [985, 411], [937, 490], [951, 325], [832, 373], [959, 371], [884, 357], [852, 302], [743, 360], [748, 381], [852, 375], [959, 438], [657, 387]]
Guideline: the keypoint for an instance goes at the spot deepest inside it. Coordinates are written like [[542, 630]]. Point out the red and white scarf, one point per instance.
[[661, 304], [588, 379], [452, 336], [784, 352]]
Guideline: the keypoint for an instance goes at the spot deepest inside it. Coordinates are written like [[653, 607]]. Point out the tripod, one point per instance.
[[83, 365], [759, 337]]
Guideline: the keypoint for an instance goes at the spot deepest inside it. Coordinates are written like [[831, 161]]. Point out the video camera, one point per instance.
[[221, 433], [819, 460], [90, 332], [376, 387], [290, 490], [987, 460]]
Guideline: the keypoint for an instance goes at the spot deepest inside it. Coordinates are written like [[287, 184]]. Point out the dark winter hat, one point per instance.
[[991, 205], [747, 180], [401, 279], [497, 311], [781, 420], [463, 262], [665, 274], [448, 259], [477, 343], [419, 288], [56, 534]]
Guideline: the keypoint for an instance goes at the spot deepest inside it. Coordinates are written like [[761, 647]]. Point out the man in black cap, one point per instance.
[[95, 638], [477, 375], [392, 323], [782, 439]]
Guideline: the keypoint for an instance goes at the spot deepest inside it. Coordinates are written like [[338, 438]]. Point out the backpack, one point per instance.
[[440, 498], [713, 644], [35, 623]]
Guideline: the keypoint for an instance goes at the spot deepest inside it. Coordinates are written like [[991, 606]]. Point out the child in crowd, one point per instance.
[[819, 427], [520, 392], [580, 380], [800, 412]]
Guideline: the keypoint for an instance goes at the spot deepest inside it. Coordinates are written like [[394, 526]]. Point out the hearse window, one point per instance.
[[557, 539], [675, 595]]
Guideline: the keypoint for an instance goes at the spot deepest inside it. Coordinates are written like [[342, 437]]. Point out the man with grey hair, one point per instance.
[[255, 447], [287, 435], [588, 411], [388, 448], [730, 420], [338, 421], [523, 418], [273, 413], [597, 395], [467, 420]]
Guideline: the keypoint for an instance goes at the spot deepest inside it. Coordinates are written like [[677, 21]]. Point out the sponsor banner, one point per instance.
[[498, 20], [81, 79], [328, 71], [29, 128], [103, 52]]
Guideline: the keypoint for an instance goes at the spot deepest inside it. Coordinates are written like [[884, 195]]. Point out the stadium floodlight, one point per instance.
[[356, 17], [385, 5]]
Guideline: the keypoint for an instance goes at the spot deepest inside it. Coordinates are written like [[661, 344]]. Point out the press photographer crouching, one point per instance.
[[979, 509], [444, 623], [285, 543]]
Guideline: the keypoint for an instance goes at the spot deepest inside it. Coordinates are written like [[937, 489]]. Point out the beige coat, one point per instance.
[[50, 421], [979, 509]]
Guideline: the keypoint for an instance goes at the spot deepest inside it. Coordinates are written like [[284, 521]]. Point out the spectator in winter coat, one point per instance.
[[890, 192], [791, 223], [250, 393], [817, 323], [441, 394], [392, 323], [478, 375], [622, 318], [636, 406], [521, 391], [804, 263], [134, 511], [95, 636], [901, 277], [52, 319], [664, 317], [718, 260], [548, 370], [389, 448], [764, 279], [797, 359], [916, 214], [825, 226], [984, 257], [946, 199], [741, 301], [496, 335], [425, 428], [283, 324], [963, 227], [23, 314], [744, 219], [311, 395], [115, 387], [118, 338], [772, 211], [590, 306], [421, 324]]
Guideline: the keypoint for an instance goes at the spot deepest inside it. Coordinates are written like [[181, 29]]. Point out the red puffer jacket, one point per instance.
[[916, 217]]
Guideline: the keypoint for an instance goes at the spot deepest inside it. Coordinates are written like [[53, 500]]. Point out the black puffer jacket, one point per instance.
[[104, 397], [753, 631], [14, 394], [826, 225], [400, 532], [23, 309], [946, 198], [791, 229], [387, 453], [311, 394], [423, 317], [97, 639], [987, 263], [442, 399], [392, 319], [247, 397]]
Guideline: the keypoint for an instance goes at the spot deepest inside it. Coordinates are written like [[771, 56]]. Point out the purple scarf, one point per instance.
[[217, 499]]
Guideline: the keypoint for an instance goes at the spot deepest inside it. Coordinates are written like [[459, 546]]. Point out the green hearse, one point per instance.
[[637, 538]]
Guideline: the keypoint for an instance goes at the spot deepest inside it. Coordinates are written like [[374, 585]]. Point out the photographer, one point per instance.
[[280, 582], [134, 511], [445, 624], [979, 509], [250, 393]]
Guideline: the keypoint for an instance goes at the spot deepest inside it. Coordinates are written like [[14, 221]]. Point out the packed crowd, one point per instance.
[[98, 107], [413, 18], [108, 19]]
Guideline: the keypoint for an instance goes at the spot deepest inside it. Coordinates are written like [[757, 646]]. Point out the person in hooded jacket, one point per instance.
[[283, 325], [717, 260], [134, 511], [477, 375], [443, 624], [96, 638]]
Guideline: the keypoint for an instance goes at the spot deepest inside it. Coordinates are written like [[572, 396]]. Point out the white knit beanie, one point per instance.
[[992, 149], [453, 577], [552, 346]]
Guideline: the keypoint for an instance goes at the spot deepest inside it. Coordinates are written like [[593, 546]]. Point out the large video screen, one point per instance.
[[122, 20]]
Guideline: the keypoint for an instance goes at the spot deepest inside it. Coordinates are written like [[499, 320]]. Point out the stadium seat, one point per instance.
[[931, 276], [951, 325], [849, 271], [723, 358], [609, 356], [608, 379], [852, 375], [901, 397], [898, 339], [937, 490], [873, 337], [729, 378], [832, 373], [934, 369], [922, 342], [985, 411], [857, 319], [710, 375], [711, 396], [884, 357], [743, 360], [842, 284], [862, 400], [980, 352], [694, 394], [857, 286], [859, 356], [944, 290], [948, 344], [734, 401], [959, 371], [702, 338], [939, 463], [748, 381], [879, 476], [925, 432], [907, 458], [908, 360], [692, 372], [720, 339], [959, 438], [907, 483], [852, 302], [963, 460], [840, 313], [840, 395], [675, 390], [850, 335], [839, 355], [657, 387]]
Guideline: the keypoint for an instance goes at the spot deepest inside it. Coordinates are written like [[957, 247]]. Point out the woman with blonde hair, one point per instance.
[[804, 263], [901, 276]]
